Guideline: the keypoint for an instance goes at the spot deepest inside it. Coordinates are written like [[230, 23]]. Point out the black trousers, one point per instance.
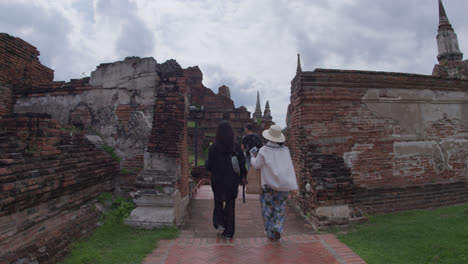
[[224, 214]]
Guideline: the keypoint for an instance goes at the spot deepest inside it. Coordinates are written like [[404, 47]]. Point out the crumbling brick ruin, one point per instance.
[[49, 174], [137, 107], [362, 142], [376, 142], [208, 109], [52, 169], [49, 179], [19, 67]]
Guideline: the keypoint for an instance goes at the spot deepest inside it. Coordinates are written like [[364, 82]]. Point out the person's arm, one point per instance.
[[258, 161]]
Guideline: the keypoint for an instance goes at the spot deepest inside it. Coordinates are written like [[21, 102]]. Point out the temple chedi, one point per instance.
[[451, 64], [267, 113], [257, 115], [261, 120]]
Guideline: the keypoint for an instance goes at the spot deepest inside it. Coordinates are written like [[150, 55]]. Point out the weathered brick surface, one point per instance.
[[169, 132], [217, 107], [48, 181], [61, 88], [130, 168], [6, 99], [348, 153], [19, 63], [19, 67]]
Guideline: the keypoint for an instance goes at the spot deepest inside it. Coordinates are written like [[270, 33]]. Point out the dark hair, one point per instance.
[[225, 135], [249, 127]]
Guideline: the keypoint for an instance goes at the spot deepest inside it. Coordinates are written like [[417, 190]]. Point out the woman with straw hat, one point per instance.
[[277, 179]]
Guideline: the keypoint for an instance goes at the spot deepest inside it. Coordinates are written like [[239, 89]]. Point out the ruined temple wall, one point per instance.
[[49, 182], [217, 107], [19, 63], [169, 133], [116, 103], [6, 100], [168, 145], [378, 141], [19, 66], [218, 103]]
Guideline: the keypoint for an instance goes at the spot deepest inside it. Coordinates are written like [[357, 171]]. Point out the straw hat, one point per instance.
[[274, 134]]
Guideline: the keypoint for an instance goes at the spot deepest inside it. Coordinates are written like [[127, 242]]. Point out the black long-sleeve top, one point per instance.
[[224, 181]]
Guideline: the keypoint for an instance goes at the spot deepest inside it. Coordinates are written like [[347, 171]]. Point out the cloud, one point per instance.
[[215, 76], [134, 36], [244, 93], [248, 45], [85, 8], [135, 39], [44, 28]]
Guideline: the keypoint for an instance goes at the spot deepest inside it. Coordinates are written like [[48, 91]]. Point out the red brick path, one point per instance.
[[198, 242]]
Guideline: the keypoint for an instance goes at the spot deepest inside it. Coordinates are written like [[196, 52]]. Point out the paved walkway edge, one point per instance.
[[340, 251]]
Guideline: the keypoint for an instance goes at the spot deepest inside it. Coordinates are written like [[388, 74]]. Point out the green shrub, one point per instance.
[[104, 197], [111, 151], [123, 207]]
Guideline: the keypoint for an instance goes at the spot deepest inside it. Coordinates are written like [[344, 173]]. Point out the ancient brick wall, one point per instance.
[[116, 103], [169, 133], [375, 141], [218, 103], [19, 67], [49, 180], [217, 107], [61, 88], [19, 63], [6, 100], [194, 78]]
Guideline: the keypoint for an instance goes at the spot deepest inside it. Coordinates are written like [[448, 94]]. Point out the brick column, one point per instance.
[[164, 183]]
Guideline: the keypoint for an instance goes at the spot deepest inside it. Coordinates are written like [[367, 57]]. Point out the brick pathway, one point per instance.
[[199, 243]]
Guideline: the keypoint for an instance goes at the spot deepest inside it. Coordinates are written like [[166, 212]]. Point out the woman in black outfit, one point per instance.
[[224, 181]]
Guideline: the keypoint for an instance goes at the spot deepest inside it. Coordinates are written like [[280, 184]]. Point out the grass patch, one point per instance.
[[124, 171], [423, 236], [201, 160], [191, 124], [116, 243], [104, 197], [201, 157]]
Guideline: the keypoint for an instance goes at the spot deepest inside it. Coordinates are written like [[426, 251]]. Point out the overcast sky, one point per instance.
[[248, 45]]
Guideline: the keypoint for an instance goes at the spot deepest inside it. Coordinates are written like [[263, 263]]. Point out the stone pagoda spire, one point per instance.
[[299, 68], [267, 112], [258, 111], [447, 41]]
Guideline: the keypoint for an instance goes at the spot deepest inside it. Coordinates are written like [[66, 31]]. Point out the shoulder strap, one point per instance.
[[234, 149]]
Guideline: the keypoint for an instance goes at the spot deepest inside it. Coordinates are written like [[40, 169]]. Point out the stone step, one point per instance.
[[153, 178], [160, 197], [151, 217]]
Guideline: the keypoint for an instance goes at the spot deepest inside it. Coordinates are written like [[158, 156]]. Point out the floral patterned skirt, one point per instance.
[[273, 210]]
